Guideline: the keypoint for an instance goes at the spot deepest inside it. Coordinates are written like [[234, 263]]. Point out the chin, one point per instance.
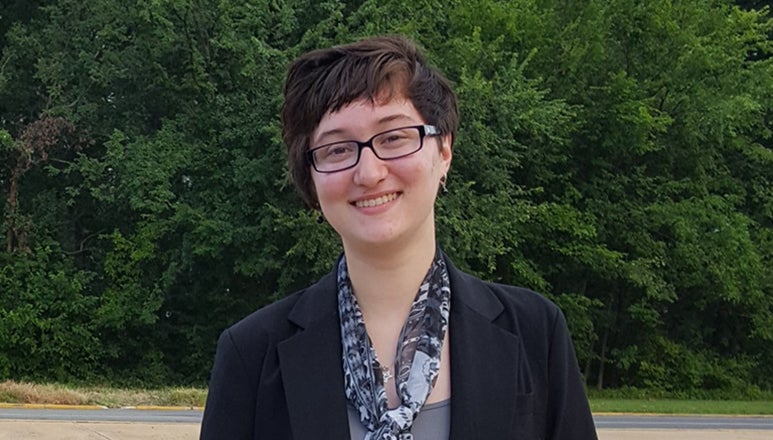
[[374, 239]]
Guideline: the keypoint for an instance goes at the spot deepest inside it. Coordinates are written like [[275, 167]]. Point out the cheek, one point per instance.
[[419, 176], [329, 186], [434, 167]]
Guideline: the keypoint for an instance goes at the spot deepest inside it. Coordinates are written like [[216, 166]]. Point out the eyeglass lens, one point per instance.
[[391, 144]]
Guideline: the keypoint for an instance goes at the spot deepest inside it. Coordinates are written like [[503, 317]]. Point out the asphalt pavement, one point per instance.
[[681, 422], [193, 416], [68, 423]]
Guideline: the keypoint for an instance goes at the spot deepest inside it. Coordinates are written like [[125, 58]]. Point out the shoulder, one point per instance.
[[516, 296], [284, 318], [517, 309], [521, 300], [487, 295], [244, 377], [267, 319]]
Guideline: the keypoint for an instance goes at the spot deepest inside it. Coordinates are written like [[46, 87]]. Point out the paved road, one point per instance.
[[684, 422], [194, 417], [26, 424]]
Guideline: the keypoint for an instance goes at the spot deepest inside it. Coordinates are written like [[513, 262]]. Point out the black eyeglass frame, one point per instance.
[[424, 131]]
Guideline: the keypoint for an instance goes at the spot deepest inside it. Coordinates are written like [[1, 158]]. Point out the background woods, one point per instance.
[[615, 155]]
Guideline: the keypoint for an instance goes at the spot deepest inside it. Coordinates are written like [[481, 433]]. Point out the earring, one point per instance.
[[320, 217], [443, 183]]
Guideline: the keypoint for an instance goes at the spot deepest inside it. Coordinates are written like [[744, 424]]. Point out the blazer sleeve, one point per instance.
[[569, 415], [230, 409]]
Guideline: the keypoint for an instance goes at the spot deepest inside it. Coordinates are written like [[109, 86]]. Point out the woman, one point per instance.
[[394, 343]]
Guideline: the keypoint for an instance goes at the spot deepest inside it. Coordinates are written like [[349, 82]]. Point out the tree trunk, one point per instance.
[[602, 359], [586, 369], [13, 197], [13, 203]]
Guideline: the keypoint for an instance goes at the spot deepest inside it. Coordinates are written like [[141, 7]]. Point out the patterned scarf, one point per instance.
[[417, 360]]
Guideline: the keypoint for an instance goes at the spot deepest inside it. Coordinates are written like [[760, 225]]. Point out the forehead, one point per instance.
[[362, 118]]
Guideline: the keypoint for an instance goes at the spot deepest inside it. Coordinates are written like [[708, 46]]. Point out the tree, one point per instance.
[[613, 155]]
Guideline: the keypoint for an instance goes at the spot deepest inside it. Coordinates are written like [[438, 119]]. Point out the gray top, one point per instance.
[[432, 423]]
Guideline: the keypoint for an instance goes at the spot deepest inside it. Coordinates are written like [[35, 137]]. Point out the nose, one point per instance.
[[370, 170]]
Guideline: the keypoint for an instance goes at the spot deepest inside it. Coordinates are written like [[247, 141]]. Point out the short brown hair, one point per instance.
[[376, 68]]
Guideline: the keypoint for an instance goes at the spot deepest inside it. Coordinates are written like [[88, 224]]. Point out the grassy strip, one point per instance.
[[672, 406], [22, 392], [751, 401]]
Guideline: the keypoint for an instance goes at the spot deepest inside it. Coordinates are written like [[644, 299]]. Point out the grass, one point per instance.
[[674, 406], [752, 401], [58, 394], [613, 402]]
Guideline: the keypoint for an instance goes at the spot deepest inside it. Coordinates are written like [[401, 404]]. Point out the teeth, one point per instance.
[[375, 202]]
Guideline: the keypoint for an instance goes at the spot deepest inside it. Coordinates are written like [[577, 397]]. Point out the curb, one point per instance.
[[644, 414], [48, 406], [164, 408], [97, 407]]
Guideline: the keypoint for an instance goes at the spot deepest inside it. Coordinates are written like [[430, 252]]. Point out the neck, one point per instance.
[[385, 281]]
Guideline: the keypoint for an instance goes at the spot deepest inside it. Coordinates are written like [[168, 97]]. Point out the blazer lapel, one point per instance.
[[485, 360], [310, 364]]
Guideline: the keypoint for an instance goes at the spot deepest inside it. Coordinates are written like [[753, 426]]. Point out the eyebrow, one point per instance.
[[382, 121]]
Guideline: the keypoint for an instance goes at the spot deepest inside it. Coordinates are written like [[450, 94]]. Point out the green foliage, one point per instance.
[[673, 368], [615, 155], [45, 310]]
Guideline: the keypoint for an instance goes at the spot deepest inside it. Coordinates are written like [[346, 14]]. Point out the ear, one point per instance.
[[446, 152]]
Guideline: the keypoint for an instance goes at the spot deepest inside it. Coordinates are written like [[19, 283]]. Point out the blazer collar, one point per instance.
[[484, 362], [310, 365], [484, 359]]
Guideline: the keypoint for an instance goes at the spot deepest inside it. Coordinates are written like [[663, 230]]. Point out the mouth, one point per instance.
[[369, 203]]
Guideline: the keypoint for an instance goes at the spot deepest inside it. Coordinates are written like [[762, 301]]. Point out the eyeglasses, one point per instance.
[[387, 145]]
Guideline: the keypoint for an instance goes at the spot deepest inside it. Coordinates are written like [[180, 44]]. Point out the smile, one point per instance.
[[369, 203]]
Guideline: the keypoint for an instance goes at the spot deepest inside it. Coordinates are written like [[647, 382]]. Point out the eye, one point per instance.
[[397, 139], [394, 137], [336, 152]]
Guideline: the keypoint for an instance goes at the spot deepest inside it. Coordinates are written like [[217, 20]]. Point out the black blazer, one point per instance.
[[514, 375]]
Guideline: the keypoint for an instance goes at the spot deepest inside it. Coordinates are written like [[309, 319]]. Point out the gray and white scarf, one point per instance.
[[417, 359]]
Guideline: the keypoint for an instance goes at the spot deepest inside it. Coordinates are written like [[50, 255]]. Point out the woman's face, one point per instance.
[[380, 202]]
